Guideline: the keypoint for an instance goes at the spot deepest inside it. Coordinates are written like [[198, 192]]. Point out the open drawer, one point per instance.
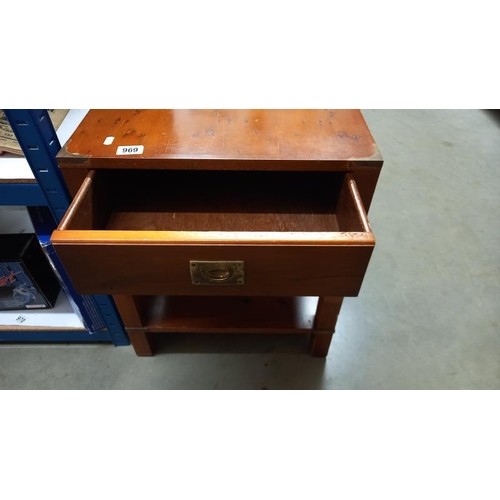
[[173, 232]]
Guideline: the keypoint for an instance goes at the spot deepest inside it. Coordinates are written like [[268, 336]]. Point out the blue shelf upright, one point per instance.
[[26, 194], [38, 140]]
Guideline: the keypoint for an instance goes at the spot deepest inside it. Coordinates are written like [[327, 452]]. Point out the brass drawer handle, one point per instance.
[[217, 272]]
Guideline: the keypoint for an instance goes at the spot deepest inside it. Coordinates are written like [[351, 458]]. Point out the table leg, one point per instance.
[[131, 317], [324, 325], [141, 340]]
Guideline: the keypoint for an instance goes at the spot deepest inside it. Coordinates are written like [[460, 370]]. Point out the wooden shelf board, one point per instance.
[[228, 314]]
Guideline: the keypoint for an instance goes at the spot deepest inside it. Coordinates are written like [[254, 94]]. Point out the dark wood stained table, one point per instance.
[[234, 221]]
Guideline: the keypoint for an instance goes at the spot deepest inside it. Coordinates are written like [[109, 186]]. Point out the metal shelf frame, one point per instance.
[[22, 193], [38, 140], [75, 336]]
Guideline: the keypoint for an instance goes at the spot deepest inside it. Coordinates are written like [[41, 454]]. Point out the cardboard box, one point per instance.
[[8, 141], [26, 278]]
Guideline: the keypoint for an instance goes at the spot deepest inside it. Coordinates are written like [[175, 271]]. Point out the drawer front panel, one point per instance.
[[146, 269]]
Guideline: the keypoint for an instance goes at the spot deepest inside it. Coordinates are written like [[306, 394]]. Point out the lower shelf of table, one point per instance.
[[227, 314]]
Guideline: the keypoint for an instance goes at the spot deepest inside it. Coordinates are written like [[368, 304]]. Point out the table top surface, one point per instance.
[[287, 135]]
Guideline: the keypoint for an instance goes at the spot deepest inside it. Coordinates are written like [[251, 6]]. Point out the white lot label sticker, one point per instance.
[[130, 150], [109, 140]]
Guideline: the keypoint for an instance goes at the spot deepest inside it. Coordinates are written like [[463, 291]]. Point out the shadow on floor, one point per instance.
[[267, 361], [224, 343], [494, 114]]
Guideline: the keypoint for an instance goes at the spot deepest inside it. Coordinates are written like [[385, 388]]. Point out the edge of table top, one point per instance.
[[205, 137]]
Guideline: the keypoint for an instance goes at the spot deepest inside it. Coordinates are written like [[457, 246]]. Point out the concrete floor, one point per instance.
[[428, 316]]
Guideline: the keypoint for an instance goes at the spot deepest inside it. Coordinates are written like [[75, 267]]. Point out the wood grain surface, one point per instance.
[[164, 269], [229, 314], [232, 202], [201, 138]]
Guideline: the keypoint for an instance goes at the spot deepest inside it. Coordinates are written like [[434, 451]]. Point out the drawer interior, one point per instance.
[[170, 200]]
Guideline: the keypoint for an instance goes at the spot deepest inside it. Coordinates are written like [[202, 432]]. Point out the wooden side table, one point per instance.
[[215, 221]]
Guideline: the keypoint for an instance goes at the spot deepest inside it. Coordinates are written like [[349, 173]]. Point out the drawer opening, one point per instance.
[[223, 201]]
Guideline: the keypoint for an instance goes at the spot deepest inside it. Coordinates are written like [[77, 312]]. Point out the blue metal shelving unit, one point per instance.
[[38, 140], [26, 194]]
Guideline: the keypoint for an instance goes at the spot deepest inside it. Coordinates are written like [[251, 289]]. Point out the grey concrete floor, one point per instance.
[[428, 316]]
